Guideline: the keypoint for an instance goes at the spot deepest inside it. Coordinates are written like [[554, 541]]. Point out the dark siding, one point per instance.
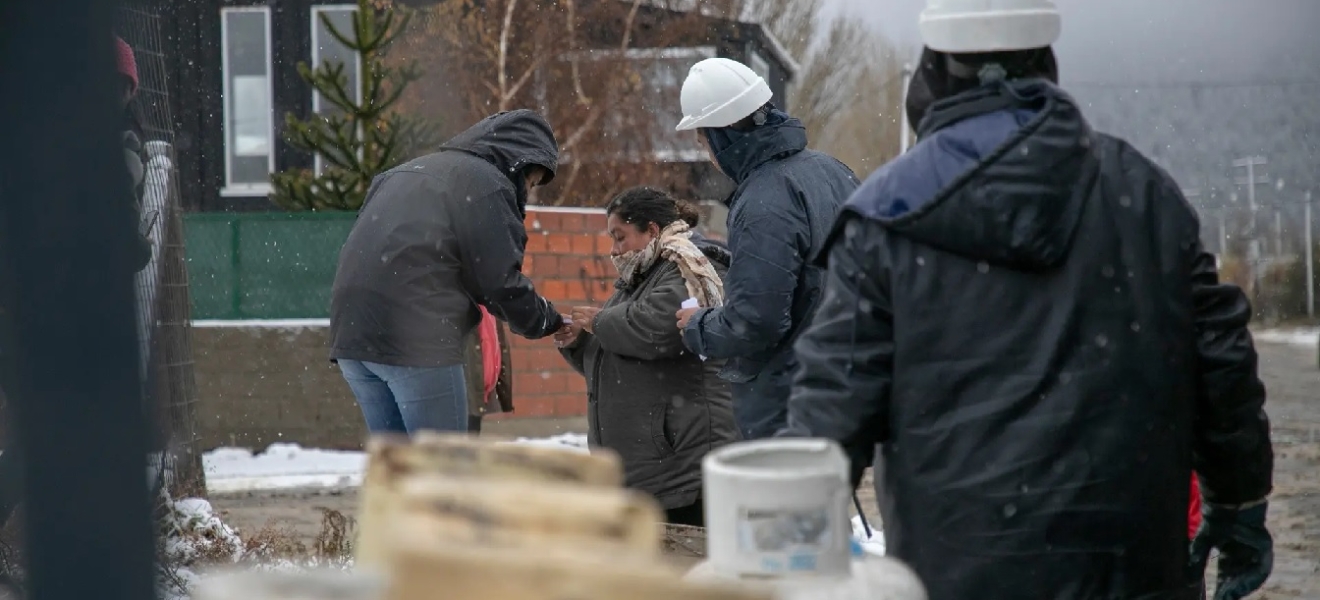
[[186, 76], [199, 107]]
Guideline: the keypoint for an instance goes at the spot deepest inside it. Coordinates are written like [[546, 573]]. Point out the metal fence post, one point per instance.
[[77, 392]]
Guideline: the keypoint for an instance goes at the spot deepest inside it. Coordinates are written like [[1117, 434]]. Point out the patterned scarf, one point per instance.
[[674, 244]]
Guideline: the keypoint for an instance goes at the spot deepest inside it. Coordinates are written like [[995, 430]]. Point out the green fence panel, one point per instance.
[[263, 265]]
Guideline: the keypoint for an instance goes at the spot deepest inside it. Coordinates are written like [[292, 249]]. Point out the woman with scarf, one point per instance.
[[659, 406]]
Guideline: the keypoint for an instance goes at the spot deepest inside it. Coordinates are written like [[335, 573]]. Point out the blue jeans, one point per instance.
[[408, 399]]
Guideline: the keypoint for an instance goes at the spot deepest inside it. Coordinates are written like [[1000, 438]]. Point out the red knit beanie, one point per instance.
[[126, 63]]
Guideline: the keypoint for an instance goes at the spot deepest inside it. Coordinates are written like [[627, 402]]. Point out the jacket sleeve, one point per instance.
[[644, 327], [492, 241], [768, 253], [842, 389], [576, 353], [1232, 450]]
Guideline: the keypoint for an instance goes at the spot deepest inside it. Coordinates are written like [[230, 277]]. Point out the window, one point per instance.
[[758, 64], [249, 132], [327, 48], [664, 74], [661, 72]]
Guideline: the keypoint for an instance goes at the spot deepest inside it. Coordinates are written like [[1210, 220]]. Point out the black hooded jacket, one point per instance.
[[1019, 321], [435, 237]]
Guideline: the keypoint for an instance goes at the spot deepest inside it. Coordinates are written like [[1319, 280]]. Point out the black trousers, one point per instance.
[[474, 424], [693, 514]]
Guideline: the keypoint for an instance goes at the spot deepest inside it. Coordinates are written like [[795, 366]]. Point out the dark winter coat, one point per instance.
[[659, 406], [131, 140], [1019, 313], [786, 200], [436, 236]]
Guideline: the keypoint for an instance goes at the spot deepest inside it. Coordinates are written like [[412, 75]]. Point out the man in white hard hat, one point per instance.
[[1021, 328], [786, 200]]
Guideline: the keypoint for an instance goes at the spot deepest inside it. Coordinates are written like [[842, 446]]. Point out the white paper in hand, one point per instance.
[[692, 303]]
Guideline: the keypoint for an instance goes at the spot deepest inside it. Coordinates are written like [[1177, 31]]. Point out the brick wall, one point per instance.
[[568, 259]]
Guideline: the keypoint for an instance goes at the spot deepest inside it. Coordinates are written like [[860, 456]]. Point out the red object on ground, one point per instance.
[[126, 62], [490, 351], [1194, 510]]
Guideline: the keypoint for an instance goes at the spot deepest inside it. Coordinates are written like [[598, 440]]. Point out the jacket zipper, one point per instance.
[[594, 398]]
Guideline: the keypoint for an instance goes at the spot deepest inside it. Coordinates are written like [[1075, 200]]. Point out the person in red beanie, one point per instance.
[[131, 138], [126, 63]]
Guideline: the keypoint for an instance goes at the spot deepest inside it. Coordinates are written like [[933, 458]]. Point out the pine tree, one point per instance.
[[360, 139]]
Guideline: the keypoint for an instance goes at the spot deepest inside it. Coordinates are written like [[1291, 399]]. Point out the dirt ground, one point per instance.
[[1291, 376]]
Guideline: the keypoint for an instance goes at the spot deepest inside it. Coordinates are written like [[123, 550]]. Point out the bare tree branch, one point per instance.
[[628, 24], [504, 53]]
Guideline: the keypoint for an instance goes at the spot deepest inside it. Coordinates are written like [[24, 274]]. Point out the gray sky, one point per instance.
[[1129, 41]]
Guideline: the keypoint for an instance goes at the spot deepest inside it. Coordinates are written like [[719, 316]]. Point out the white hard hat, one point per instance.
[[719, 92], [975, 26]]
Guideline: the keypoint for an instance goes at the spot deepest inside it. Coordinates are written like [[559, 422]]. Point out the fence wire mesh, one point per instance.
[[164, 306]]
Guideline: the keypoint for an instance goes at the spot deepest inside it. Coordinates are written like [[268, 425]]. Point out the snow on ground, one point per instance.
[[1299, 336], [281, 466], [284, 466]]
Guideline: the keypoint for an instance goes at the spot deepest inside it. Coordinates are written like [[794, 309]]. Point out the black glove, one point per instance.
[[1246, 550]]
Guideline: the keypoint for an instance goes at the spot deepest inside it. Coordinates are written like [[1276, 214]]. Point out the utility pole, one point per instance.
[[1223, 235], [905, 128], [1254, 258], [1310, 262], [1278, 233]]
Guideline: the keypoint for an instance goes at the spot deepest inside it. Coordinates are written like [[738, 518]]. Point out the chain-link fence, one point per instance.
[[164, 307]]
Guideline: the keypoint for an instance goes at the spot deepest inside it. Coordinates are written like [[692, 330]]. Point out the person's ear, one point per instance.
[[653, 229]]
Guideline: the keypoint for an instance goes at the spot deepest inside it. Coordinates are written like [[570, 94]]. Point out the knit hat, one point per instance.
[[126, 62]]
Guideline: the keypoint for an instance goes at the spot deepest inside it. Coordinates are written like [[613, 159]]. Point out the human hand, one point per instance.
[[567, 334], [684, 315], [1246, 550], [583, 317]]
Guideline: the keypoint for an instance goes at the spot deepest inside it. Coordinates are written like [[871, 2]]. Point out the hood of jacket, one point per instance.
[[741, 152], [511, 141], [1001, 175], [715, 250]]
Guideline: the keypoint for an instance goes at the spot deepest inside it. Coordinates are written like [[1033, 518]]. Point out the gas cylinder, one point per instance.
[[777, 514]]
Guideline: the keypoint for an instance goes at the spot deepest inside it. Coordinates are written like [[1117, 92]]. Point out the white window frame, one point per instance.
[[758, 63], [245, 189], [318, 163], [698, 53]]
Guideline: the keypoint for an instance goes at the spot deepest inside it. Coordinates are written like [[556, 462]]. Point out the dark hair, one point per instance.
[[641, 206]]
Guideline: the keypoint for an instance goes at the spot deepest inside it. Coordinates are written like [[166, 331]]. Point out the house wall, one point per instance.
[[260, 382], [197, 80]]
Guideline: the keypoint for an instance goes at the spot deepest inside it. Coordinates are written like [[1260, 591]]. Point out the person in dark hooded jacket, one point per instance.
[[437, 236], [1022, 328], [786, 200]]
